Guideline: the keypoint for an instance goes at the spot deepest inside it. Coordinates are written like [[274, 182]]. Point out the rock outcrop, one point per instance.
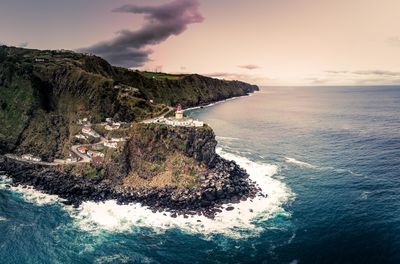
[[61, 87], [221, 181], [43, 94]]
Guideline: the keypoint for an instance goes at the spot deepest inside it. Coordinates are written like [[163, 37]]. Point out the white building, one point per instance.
[[111, 144], [80, 136], [179, 112], [113, 126], [30, 157], [86, 130], [118, 139], [89, 131], [198, 123], [178, 122]]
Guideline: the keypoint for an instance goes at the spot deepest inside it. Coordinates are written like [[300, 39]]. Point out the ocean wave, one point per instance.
[[300, 163], [215, 103], [227, 138], [344, 171], [30, 194], [322, 168], [241, 222], [3, 219], [238, 223]]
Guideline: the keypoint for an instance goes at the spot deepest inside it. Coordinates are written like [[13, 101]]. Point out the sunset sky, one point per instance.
[[268, 42]]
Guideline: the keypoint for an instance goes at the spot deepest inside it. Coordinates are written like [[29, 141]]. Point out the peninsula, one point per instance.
[[75, 126]]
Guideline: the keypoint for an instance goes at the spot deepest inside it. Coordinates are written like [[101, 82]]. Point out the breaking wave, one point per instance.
[[300, 163], [29, 193], [216, 103], [322, 168], [238, 223], [227, 138], [241, 222]]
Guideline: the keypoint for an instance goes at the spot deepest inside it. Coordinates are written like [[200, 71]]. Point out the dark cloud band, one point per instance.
[[129, 48]]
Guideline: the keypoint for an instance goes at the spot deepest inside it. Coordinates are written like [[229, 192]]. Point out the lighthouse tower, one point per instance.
[[179, 112]]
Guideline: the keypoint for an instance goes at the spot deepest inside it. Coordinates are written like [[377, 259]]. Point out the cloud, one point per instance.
[[364, 77], [393, 41], [130, 48], [337, 72], [249, 66], [377, 72]]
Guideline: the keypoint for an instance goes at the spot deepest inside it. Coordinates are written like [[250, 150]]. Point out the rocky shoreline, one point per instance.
[[226, 183]]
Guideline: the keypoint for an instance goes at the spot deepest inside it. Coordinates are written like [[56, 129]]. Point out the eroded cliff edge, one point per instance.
[[42, 94], [165, 168], [45, 95]]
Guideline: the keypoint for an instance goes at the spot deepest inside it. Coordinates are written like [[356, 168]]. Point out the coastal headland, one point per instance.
[[75, 126]]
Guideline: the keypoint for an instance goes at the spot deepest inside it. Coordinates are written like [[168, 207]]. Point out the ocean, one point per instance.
[[328, 158]]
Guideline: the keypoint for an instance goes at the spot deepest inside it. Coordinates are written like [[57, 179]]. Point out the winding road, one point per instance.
[[74, 148]]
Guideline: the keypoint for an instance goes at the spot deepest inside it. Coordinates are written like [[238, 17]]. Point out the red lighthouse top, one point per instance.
[[178, 107]]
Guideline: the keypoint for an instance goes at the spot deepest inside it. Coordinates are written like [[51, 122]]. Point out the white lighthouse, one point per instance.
[[179, 112]]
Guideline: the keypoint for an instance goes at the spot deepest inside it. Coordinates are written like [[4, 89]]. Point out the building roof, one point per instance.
[[97, 160], [82, 148]]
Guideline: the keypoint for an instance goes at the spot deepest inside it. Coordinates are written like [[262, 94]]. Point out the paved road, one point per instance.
[[154, 119], [14, 157], [74, 148], [84, 158]]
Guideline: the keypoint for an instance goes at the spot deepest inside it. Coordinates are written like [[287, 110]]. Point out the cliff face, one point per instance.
[[160, 156], [188, 90], [165, 168], [44, 93]]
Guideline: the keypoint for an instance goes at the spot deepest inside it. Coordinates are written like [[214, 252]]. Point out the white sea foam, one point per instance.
[[227, 138], [238, 223], [29, 193], [300, 163], [215, 103], [364, 195], [3, 218], [322, 168]]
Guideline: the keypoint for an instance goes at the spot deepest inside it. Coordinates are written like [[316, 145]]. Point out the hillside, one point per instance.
[[162, 167], [44, 93]]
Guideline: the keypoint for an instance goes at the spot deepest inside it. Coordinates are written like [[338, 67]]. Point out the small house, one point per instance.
[[82, 150], [198, 123], [110, 144], [80, 136], [86, 130]]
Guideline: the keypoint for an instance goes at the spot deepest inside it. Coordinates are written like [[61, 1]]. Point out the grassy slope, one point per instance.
[[40, 101]]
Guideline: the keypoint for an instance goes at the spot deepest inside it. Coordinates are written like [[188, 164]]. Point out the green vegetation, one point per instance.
[[162, 75], [44, 93], [85, 170], [16, 102]]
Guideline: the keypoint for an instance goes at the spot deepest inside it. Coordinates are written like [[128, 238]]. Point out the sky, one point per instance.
[[267, 42]]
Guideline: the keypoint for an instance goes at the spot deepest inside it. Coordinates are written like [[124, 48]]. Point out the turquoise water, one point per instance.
[[329, 158]]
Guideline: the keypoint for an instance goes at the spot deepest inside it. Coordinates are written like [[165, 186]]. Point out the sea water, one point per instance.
[[328, 158]]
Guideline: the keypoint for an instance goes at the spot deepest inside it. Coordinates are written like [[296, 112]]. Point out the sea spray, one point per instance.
[[240, 222], [29, 193]]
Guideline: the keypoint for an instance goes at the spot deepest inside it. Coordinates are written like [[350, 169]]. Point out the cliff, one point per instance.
[[161, 156], [44, 93], [165, 168]]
